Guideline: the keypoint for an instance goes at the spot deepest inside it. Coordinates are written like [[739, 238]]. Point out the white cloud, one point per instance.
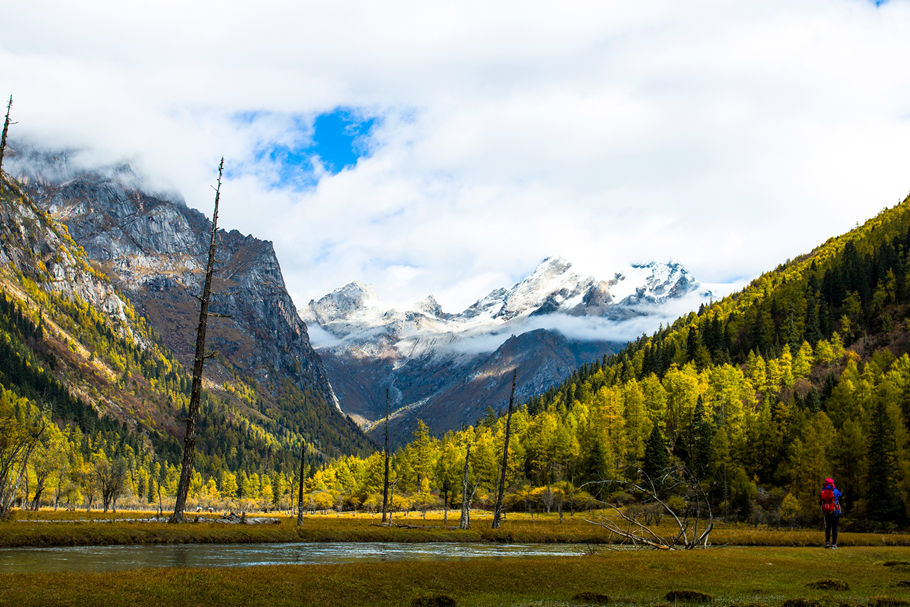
[[728, 136]]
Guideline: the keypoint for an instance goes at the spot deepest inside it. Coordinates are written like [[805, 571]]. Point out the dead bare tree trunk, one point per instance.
[[465, 506], [392, 499], [300, 491], [467, 495], [445, 503], [385, 482], [497, 510], [189, 443], [6, 124]]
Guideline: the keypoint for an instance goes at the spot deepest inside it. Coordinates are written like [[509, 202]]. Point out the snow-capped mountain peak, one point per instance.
[[354, 314], [429, 306], [344, 303], [552, 283], [651, 283]]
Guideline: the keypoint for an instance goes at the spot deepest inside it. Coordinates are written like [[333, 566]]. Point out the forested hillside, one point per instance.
[[804, 374], [84, 372]]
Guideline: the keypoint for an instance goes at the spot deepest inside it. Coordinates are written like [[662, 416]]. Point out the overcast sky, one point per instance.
[[447, 148]]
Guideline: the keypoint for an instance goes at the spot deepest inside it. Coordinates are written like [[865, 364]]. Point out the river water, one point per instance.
[[110, 558]]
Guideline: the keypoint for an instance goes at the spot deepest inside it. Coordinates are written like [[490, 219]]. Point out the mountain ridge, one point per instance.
[[447, 368], [153, 250]]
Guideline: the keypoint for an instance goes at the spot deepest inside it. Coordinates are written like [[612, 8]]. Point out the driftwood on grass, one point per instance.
[[693, 522]]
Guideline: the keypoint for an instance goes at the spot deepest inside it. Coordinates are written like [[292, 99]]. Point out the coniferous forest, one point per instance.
[[804, 374]]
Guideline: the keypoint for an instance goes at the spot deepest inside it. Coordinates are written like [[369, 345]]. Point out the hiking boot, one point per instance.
[[827, 545], [834, 546]]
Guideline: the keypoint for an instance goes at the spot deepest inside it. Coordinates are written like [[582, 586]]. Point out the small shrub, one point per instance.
[[828, 585], [593, 598], [800, 602], [688, 596], [887, 601], [438, 600]]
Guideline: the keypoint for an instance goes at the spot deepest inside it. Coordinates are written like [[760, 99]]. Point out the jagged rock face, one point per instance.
[[154, 249], [46, 253], [446, 369]]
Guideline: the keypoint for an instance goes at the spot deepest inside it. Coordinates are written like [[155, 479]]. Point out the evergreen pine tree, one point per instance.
[[701, 452], [813, 402], [812, 331], [884, 500], [656, 457], [595, 466]]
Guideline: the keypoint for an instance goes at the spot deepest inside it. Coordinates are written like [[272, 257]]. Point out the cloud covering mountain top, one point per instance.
[[726, 135]]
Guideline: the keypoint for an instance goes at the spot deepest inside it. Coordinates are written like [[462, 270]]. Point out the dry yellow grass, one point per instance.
[[82, 528]]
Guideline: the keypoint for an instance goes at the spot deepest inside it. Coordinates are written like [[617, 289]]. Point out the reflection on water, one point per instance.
[[109, 558]]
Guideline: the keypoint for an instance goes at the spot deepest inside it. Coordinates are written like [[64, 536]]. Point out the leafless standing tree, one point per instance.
[[445, 502], [392, 498], [497, 510], [6, 124], [300, 491], [467, 492], [385, 482], [189, 444]]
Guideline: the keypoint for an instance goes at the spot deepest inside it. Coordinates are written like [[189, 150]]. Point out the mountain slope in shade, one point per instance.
[[447, 369], [154, 251]]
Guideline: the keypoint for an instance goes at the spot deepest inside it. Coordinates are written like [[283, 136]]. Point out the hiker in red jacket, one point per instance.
[[829, 499]]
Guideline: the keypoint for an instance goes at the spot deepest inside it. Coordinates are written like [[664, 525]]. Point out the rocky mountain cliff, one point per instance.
[[448, 368], [70, 340], [153, 249]]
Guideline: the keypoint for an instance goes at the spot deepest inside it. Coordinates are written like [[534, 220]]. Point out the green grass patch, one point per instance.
[[769, 576]]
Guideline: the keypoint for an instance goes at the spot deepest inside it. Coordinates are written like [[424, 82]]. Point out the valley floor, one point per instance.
[[874, 576], [80, 528]]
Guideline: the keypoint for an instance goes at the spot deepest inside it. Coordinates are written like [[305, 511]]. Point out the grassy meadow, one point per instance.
[[68, 528], [748, 565], [875, 576]]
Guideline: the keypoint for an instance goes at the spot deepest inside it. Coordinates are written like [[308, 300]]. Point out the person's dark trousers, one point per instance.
[[831, 519]]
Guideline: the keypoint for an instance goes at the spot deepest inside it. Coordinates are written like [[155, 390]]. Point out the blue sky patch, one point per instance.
[[336, 139]]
